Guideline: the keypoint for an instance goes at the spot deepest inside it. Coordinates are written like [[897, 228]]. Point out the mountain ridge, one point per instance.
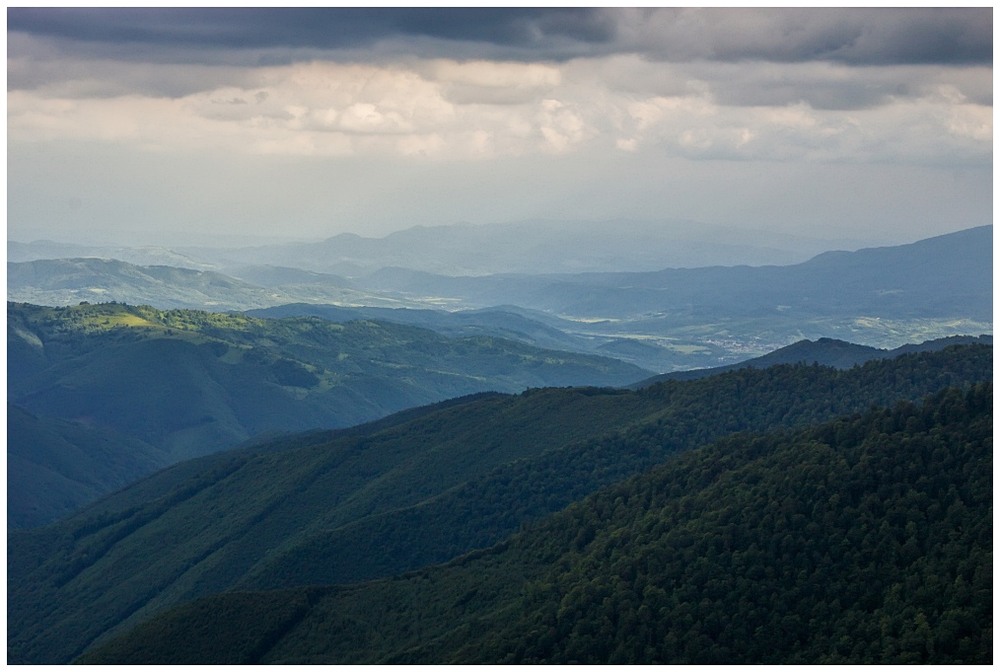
[[965, 255], [322, 509], [189, 382], [458, 249], [666, 320], [824, 352], [722, 555]]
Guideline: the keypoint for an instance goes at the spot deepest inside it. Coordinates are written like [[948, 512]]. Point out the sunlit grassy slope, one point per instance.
[[194, 382], [183, 383]]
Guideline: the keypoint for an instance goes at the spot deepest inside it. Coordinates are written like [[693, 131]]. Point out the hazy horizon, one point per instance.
[[208, 239], [154, 126]]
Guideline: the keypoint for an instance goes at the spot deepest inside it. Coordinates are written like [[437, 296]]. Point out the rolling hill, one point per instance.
[[864, 540], [402, 493], [193, 382], [188, 383], [69, 281], [505, 323], [519, 324]]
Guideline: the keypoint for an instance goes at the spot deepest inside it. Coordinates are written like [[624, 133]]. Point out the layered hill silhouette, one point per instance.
[[940, 276], [864, 540], [400, 494], [459, 249], [678, 317], [387, 479], [69, 281]]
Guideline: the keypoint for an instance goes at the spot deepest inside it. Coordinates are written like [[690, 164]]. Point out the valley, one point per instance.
[[663, 320], [185, 443], [512, 335]]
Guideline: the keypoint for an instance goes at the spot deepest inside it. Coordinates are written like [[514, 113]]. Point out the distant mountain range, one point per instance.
[[945, 275], [671, 319], [464, 249]]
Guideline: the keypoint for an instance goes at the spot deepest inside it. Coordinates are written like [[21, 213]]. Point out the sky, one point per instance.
[[174, 125]]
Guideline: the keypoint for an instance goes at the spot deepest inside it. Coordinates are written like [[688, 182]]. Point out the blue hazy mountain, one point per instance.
[[671, 319], [940, 276]]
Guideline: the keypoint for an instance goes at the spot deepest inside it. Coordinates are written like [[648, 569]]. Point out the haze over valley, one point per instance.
[[499, 335], [663, 320]]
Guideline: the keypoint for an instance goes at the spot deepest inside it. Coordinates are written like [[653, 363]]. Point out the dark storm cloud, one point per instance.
[[310, 28], [854, 36], [942, 36], [887, 36]]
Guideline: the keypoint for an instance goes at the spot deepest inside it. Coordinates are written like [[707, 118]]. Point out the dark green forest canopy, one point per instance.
[[387, 498], [390, 498], [863, 540]]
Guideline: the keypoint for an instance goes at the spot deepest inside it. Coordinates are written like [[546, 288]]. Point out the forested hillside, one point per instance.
[[54, 466], [194, 382], [189, 383], [403, 493], [825, 351], [863, 540]]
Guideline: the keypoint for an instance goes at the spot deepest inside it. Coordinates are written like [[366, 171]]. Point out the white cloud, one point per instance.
[[724, 116], [445, 109], [492, 83]]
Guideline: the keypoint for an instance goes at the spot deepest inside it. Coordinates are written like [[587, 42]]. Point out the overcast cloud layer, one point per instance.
[[148, 124]]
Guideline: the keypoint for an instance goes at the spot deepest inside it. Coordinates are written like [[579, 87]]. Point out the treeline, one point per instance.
[[863, 540]]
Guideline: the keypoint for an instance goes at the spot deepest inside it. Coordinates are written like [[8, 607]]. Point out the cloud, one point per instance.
[[833, 86], [857, 36], [493, 82], [852, 36], [451, 110], [180, 34], [321, 111], [703, 82]]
